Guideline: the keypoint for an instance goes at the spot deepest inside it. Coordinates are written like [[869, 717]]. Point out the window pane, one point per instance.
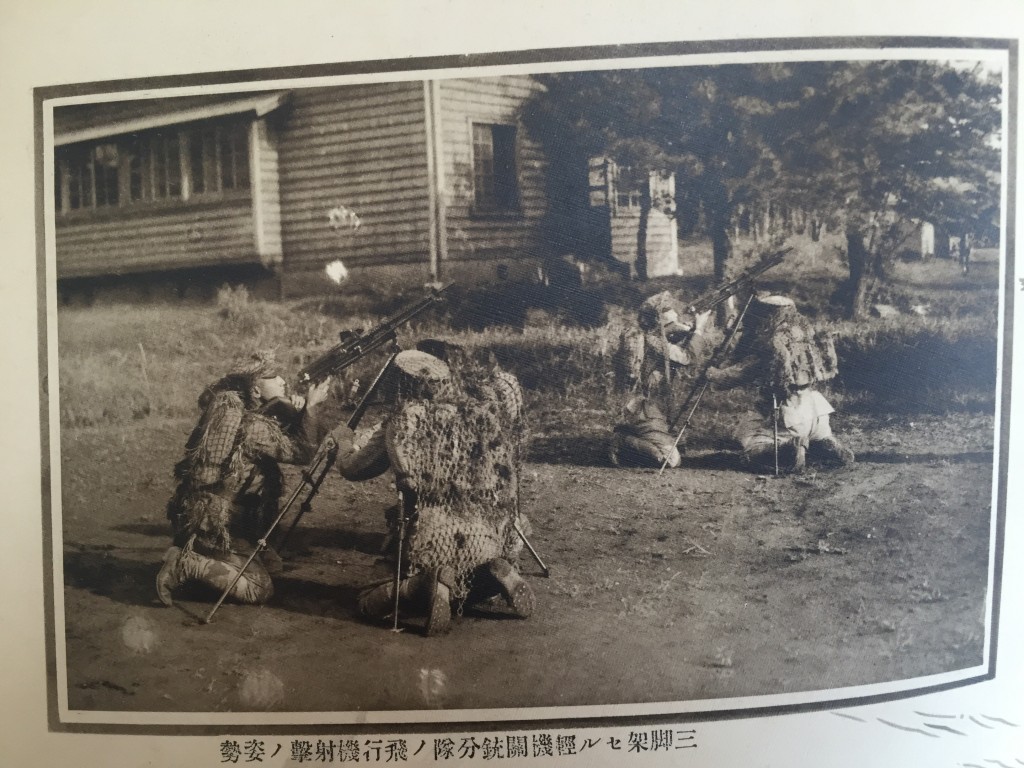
[[173, 166], [227, 159], [87, 182], [74, 184], [58, 198], [195, 151], [159, 149], [106, 163], [241, 146], [135, 171], [506, 183], [483, 166]]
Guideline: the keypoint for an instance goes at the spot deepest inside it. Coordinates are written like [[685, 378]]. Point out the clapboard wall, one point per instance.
[[363, 147], [179, 235], [478, 235]]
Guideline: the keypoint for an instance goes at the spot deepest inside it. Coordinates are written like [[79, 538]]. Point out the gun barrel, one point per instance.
[[716, 296], [342, 355]]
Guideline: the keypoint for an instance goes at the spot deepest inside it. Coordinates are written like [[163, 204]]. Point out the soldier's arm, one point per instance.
[[310, 427], [295, 444], [362, 455], [737, 375]]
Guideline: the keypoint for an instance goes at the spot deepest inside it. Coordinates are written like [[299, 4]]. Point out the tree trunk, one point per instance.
[[641, 230], [857, 255], [721, 250], [941, 243]]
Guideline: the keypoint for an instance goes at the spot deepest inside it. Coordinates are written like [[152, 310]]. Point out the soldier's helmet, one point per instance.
[[417, 375], [242, 376], [664, 312], [422, 366]]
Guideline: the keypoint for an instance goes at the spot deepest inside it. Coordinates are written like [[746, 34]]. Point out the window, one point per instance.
[[495, 181], [165, 166], [93, 177], [168, 164], [219, 158], [626, 200]]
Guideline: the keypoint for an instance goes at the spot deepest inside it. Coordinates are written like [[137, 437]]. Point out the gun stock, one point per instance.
[[356, 345]]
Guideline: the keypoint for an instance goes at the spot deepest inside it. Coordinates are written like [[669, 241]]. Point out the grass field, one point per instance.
[[705, 582]]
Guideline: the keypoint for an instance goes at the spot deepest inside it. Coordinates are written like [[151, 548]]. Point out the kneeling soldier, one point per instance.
[[453, 439], [781, 351], [665, 343], [230, 481]]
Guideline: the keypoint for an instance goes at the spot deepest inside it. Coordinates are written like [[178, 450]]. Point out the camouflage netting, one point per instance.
[[217, 497], [800, 356], [628, 360], [460, 455], [663, 331]]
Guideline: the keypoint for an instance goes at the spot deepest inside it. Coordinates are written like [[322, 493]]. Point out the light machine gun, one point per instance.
[[744, 280], [707, 302], [354, 345]]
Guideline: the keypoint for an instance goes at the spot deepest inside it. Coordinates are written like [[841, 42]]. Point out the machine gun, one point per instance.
[[354, 345], [707, 302], [713, 298]]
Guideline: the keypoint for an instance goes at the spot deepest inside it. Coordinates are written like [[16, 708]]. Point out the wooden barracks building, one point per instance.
[[404, 182]]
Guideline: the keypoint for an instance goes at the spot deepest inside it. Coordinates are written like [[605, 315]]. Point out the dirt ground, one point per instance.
[[705, 582]]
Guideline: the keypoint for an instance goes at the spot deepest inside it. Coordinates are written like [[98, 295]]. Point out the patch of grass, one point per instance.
[[124, 363]]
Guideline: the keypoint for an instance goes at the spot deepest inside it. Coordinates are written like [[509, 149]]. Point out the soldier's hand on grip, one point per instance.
[[317, 393]]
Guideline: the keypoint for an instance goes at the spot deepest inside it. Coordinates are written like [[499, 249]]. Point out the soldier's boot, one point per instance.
[[170, 576], [180, 565], [834, 450], [430, 589], [272, 561], [378, 602], [439, 601], [517, 592]]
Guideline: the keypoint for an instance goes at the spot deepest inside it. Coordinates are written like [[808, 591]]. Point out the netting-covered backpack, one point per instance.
[[458, 458]]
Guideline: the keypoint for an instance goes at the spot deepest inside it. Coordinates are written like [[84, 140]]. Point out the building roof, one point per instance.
[[87, 122]]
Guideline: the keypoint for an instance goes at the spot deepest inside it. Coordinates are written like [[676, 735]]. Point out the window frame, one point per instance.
[[493, 209], [139, 169]]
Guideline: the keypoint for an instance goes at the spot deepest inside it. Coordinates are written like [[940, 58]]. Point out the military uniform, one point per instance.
[[782, 353], [455, 449], [643, 439], [229, 487], [661, 345]]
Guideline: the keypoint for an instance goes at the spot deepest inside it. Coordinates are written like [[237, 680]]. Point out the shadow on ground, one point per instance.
[[586, 451]]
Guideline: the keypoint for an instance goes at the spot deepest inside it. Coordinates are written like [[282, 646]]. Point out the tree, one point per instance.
[[868, 146], [890, 143], [712, 125]]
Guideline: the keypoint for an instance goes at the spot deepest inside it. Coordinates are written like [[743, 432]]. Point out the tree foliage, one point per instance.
[[868, 146]]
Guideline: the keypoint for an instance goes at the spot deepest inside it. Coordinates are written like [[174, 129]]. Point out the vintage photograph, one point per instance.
[[661, 384]]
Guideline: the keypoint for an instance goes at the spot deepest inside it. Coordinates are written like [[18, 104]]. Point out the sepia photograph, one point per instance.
[[525, 388]]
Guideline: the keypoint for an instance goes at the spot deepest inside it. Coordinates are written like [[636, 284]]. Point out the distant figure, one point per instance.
[[965, 253], [230, 481], [781, 352]]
